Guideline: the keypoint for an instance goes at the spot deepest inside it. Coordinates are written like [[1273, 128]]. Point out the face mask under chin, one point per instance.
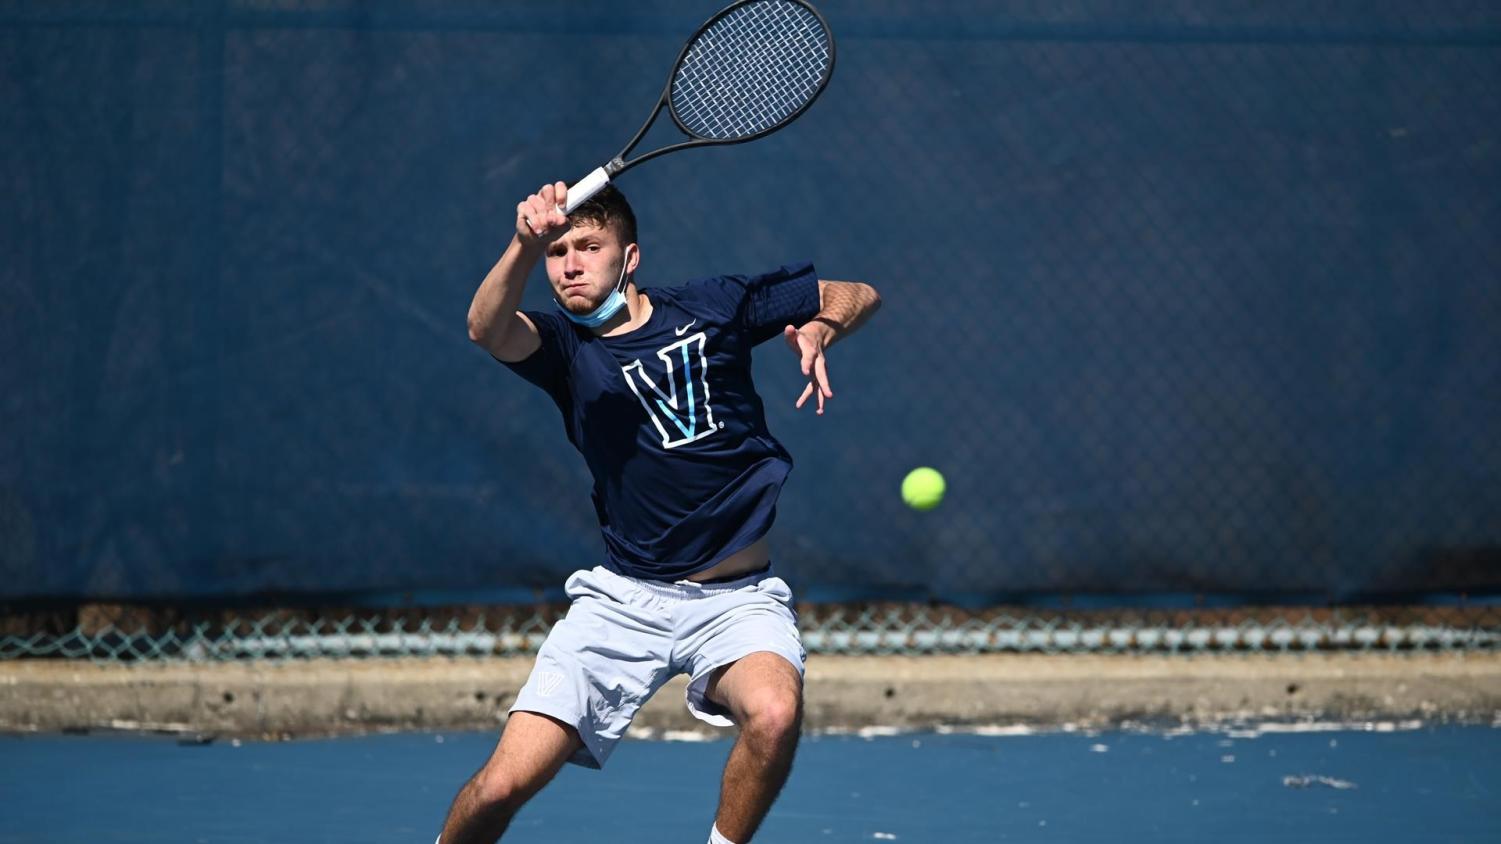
[[608, 308]]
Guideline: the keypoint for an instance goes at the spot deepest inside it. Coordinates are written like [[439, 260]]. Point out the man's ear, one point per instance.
[[632, 258]]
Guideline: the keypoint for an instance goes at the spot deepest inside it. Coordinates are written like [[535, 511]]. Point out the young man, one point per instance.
[[654, 386]]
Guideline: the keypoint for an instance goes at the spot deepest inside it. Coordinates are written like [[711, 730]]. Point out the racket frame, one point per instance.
[[600, 176]]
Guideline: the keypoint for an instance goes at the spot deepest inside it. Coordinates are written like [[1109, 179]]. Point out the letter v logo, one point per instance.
[[679, 407]]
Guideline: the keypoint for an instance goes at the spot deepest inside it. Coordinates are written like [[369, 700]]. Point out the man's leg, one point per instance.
[[764, 692], [531, 750]]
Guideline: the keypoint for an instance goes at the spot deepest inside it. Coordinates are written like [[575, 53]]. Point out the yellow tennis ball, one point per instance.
[[922, 489]]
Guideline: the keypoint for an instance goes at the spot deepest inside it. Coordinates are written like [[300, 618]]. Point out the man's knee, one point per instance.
[[500, 787], [773, 714], [531, 750]]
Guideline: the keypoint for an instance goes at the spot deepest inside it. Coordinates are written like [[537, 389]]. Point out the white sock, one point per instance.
[[717, 837]]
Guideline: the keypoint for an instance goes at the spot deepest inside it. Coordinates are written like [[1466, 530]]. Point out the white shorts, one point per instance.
[[623, 638]]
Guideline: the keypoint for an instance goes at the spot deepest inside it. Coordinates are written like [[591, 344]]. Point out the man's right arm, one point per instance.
[[494, 321]]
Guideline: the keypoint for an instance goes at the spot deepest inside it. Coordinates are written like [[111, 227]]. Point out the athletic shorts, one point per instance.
[[623, 638]]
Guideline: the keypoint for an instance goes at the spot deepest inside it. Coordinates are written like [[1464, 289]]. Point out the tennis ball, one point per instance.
[[922, 489]]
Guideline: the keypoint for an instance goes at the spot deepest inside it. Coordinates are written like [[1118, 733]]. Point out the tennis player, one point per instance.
[[654, 386]]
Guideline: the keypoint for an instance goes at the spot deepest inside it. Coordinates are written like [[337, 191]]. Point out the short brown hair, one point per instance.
[[608, 209]]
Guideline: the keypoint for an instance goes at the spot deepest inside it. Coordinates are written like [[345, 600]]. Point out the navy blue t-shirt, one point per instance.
[[668, 420]]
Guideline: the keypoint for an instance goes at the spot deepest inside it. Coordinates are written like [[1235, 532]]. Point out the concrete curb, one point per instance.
[[274, 700]]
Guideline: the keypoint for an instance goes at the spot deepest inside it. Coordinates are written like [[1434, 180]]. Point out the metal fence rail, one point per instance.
[[125, 634]]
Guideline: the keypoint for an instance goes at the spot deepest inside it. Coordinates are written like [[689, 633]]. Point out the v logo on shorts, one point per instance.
[[548, 683], [679, 408]]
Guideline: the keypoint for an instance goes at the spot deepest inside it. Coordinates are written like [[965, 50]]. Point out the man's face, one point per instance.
[[584, 266]]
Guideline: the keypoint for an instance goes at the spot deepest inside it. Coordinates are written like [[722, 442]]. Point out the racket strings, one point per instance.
[[752, 70]]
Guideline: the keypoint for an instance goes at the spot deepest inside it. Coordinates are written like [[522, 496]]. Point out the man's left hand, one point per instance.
[[808, 344]]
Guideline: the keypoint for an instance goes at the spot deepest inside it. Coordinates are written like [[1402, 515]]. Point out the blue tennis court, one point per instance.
[[1437, 784]]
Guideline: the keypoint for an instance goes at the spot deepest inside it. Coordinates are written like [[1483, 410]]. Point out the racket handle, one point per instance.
[[586, 187]]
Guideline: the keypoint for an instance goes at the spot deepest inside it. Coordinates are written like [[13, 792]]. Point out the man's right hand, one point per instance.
[[540, 219]]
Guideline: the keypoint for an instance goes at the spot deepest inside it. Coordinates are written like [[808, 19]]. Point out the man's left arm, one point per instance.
[[843, 307]]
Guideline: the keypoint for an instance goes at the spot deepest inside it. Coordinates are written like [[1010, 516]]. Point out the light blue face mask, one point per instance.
[[608, 308]]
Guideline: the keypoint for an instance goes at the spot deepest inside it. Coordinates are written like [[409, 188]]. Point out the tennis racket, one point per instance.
[[747, 72]]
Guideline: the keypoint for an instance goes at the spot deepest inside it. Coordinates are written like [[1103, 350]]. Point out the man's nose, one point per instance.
[[571, 263]]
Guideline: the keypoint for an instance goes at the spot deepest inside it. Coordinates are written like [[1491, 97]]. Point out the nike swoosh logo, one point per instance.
[[684, 330]]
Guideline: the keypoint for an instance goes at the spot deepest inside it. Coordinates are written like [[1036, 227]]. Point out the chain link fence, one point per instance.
[[117, 634]]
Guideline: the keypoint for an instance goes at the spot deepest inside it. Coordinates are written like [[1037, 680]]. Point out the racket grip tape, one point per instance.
[[580, 191]]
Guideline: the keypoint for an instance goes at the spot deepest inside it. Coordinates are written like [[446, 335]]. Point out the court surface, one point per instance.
[[1439, 784]]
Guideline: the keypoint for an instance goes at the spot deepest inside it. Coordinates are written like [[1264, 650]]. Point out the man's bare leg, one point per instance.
[[764, 692], [531, 751]]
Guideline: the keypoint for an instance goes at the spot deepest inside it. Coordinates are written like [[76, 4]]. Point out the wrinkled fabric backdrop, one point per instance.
[[1181, 300]]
